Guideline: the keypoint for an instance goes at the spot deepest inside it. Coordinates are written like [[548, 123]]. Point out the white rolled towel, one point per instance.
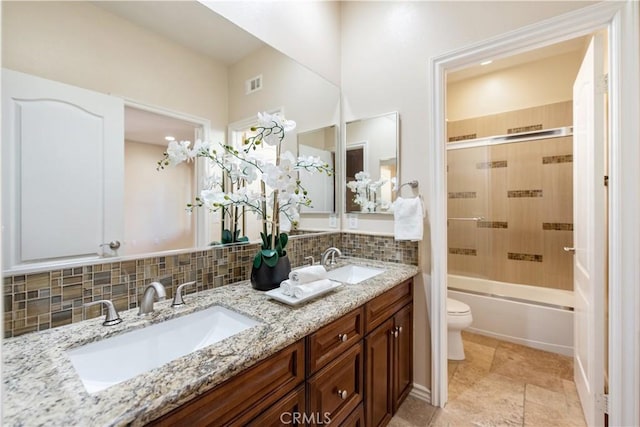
[[307, 289], [286, 287], [303, 275]]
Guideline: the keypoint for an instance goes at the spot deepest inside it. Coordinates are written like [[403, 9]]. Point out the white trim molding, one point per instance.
[[421, 392], [621, 18]]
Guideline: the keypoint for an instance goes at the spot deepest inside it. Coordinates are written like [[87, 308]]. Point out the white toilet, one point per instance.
[[458, 318]]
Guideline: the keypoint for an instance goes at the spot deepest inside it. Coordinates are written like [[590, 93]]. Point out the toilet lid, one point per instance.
[[457, 307]]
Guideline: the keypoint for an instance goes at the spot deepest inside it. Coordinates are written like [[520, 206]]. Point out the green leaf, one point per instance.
[[243, 239], [265, 240], [227, 237], [257, 260], [270, 257], [284, 238]]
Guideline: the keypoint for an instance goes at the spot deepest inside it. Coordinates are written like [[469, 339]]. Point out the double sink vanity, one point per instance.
[[242, 358]]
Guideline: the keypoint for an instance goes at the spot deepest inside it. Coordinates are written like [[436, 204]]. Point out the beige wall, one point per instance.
[[527, 85], [83, 45], [308, 32], [148, 190]]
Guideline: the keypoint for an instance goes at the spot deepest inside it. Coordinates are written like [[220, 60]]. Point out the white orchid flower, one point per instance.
[[178, 152], [214, 200], [200, 147]]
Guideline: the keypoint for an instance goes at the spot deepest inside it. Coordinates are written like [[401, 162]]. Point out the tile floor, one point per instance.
[[501, 384]]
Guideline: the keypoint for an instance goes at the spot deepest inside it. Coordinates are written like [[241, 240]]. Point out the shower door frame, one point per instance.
[[620, 18]]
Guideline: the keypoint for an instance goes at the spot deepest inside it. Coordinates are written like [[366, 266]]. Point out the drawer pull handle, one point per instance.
[[343, 337], [342, 394], [399, 329], [394, 333]]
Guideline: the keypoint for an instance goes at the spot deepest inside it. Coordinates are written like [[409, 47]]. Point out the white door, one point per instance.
[[589, 230], [62, 169]]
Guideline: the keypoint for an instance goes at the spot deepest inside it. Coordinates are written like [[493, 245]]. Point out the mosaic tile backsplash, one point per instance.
[[39, 301]]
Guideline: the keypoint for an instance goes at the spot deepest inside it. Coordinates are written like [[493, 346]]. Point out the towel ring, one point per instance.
[[412, 184]]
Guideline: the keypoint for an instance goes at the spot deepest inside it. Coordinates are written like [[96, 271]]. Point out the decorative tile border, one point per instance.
[[492, 224], [521, 129], [565, 158], [463, 251], [524, 257], [492, 165], [524, 193], [39, 301], [558, 226], [462, 195], [462, 137]]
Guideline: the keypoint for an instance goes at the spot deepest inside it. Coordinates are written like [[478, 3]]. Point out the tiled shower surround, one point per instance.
[[511, 214], [39, 301]]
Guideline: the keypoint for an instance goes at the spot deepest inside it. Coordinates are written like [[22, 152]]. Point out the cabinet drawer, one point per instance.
[[384, 306], [333, 339], [336, 390], [245, 395], [356, 418], [289, 410]]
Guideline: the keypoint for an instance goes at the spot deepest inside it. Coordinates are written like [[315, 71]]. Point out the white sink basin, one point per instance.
[[353, 274], [104, 363]]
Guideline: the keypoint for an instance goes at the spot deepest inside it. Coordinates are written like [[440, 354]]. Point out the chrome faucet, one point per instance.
[[330, 251], [154, 291], [112, 317], [177, 298]]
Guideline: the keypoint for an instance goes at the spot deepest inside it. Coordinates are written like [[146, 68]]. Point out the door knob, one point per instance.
[[568, 249], [113, 245]]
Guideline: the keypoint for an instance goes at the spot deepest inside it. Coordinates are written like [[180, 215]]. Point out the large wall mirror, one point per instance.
[[321, 143], [169, 69], [372, 163]]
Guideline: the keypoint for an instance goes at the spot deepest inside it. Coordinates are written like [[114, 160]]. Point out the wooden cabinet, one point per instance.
[[352, 372], [378, 370], [388, 353], [243, 397], [333, 339], [337, 389], [356, 418], [287, 411]]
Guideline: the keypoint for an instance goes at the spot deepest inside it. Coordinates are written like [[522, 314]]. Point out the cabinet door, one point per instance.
[[378, 374], [403, 355]]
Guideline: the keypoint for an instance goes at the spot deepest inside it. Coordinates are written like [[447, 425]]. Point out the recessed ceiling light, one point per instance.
[[486, 62], [170, 138]]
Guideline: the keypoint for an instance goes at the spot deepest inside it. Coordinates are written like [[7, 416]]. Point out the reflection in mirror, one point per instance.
[[319, 143], [372, 147], [145, 140], [145, 59]]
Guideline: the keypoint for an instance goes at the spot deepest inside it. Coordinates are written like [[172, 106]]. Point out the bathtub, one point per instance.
[[537, 317]]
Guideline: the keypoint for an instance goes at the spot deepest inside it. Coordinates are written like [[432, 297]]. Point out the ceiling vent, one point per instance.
[[253, 84]]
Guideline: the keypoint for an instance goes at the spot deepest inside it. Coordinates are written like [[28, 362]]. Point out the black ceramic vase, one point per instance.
[[265, 278]]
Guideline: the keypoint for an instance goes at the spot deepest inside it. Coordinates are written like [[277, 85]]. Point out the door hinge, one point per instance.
[[602, 402], [606, 180]]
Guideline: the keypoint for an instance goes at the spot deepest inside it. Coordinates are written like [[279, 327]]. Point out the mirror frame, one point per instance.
[[398, 163]]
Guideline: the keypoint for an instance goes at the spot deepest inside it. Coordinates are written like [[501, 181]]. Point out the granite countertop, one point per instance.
[[41, 386]]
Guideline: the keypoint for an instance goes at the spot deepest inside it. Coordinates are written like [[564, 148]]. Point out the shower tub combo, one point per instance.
[[537, 317]]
